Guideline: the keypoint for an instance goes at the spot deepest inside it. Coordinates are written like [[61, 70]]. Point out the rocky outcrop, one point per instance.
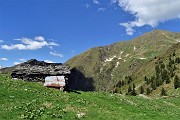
[[36, 71]]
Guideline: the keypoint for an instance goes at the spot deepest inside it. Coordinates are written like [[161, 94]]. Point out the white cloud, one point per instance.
[[101, 9], [3, 59], [1, 41], [52, 44], [30, 44], [16, 63], [17, 46], [48, 61], [40, 38], [148, 12], [22, 59], [96, 2], [56, 54]]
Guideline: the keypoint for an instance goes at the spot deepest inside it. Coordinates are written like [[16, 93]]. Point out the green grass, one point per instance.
[[20, 100]]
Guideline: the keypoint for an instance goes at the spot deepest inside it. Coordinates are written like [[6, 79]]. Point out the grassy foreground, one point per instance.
[[25, 100]]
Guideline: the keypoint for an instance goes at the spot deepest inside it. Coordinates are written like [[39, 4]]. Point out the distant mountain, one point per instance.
[[105, 66]]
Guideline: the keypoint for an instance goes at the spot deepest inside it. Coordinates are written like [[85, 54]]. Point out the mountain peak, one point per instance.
[[158, 30], [31, 60], [157, 35]]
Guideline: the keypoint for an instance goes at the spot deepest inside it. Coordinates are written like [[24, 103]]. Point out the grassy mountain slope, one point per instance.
[[109, 64], [149, 70], [26, 100]]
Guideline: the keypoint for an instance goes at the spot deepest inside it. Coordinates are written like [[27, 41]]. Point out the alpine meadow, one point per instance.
[[89, 60]]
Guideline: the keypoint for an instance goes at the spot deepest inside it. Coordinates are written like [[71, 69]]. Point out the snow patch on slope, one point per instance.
[[127, 55], [110, 59], [142, 58], [117, 64], [178, 40]]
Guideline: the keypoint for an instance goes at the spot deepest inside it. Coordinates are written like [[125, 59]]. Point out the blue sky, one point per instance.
[[56, 30]]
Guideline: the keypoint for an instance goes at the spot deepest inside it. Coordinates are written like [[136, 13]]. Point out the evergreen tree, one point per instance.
[[122, 82], [152, 78], [177, 60], [129, 89], [145, 79], [119, 84], [165, 76], [115, 90], [153, 83], [157, 69], [174, 54], [174, 67], [133, 90], [141, 90], [168, 81], [129, 79], [176, 82], [172, 73], [158, 75], [158, 82], [134, 86], [163, 92], [162, 66], [170, 62], [148, 91]]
